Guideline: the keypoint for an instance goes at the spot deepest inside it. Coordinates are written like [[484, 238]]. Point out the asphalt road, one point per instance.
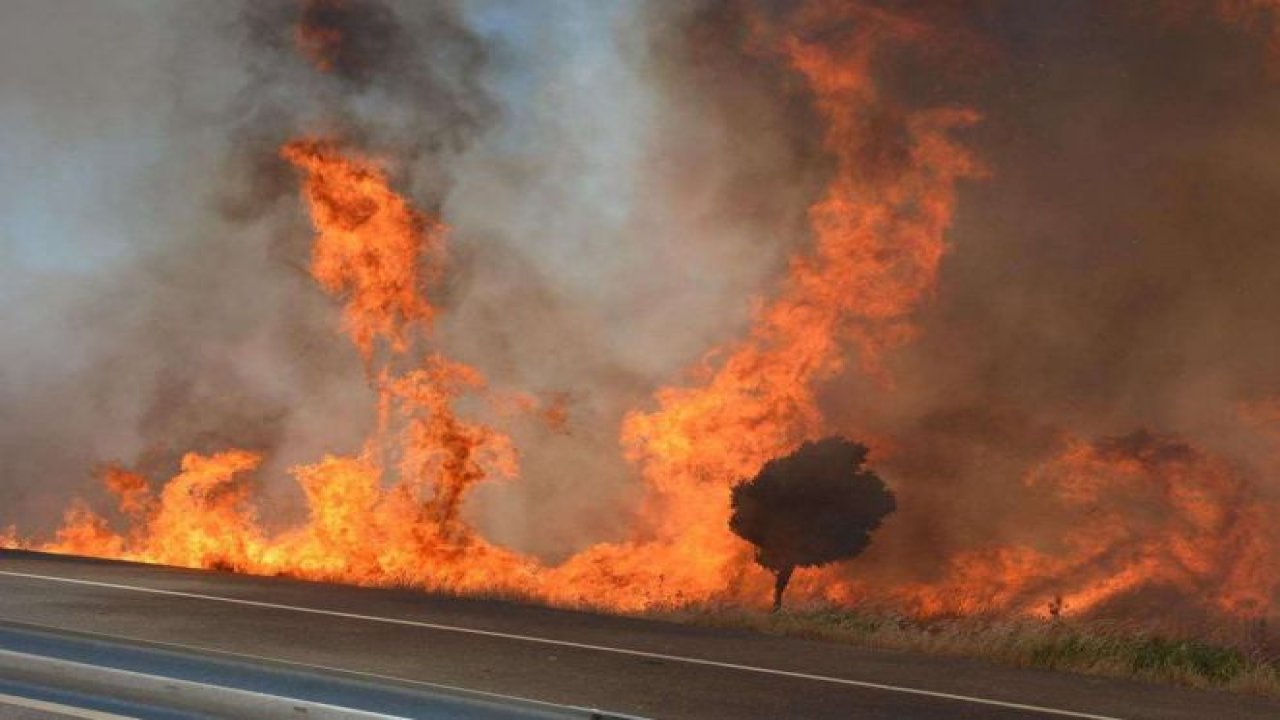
[[13, 707], [623, 665]]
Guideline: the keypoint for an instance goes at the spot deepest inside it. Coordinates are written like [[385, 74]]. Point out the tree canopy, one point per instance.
[[815, 506]]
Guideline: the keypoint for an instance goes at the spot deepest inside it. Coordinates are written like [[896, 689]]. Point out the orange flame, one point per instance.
[[371, 246], [202, 518], [1141, 511], [364, 527], [440, 450], [84, 532], [878, 240], [1145, 510], [131, 490], [877, 243], [878, 237]]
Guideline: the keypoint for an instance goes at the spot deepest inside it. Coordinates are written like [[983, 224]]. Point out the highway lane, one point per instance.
[[139, 680], [624, 665]]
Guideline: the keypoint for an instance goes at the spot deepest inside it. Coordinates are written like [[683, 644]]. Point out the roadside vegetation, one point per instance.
[[815, 506], [1245, 658]]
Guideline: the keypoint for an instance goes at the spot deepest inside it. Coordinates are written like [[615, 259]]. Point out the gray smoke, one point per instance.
[[1116, 273], [599, 248], [203, 331], [623, 180]]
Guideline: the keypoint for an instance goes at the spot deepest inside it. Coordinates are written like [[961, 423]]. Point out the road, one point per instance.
[[13, 707], [623, 665]]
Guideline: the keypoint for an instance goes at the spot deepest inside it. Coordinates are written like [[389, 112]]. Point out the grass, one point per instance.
[[1242, 658], [1247, 659]]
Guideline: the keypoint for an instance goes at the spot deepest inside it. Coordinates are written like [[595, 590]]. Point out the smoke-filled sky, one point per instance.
[[624, 184], [1117, 269]]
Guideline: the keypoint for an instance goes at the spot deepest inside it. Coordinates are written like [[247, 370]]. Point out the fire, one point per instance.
[[368, 524], [360, 531], [392, 514], [201, 519], [131, 490], [878, 239], [440, 447], [371, 246], [203, 516], [395, 512], [1141, 511], [83, 532]]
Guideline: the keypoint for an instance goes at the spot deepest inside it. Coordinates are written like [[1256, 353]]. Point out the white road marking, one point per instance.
[[570, 644], [361, 674], [66, 710]]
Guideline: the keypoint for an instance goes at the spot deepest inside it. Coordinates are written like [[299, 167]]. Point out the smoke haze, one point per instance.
[[626, 185]]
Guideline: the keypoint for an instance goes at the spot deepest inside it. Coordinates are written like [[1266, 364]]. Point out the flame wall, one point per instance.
[[618, 258]]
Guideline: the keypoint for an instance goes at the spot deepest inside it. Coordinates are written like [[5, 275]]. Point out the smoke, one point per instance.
[[617, 225], [1110, 276], [84, 200], [185, 319], [626, 184], [597, 247]]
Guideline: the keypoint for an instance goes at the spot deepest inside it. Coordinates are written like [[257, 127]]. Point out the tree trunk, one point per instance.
[[781, 578]]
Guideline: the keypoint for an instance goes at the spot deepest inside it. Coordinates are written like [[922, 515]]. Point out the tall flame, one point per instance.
[[878, 239], [394, 512], [371, 246], [1145, 510]]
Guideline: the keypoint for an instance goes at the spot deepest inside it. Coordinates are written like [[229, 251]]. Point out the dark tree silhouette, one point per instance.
[[814, 506]]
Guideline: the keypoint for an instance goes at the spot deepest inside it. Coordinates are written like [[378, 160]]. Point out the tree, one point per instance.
[[815, 506]]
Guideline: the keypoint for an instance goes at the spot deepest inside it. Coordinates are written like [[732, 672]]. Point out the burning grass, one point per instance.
[[1128, 512], [1244, 658]]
